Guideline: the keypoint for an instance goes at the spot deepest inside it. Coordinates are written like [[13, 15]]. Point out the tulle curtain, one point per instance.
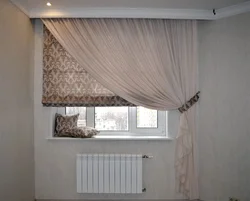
[[148, 62]]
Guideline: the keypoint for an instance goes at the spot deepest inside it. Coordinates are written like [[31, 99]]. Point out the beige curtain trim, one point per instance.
[[189, 103]]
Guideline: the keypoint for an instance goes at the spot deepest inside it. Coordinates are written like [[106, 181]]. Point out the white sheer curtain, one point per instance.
[[152, 63]]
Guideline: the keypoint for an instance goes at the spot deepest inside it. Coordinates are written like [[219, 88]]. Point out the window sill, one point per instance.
[[112, 137]]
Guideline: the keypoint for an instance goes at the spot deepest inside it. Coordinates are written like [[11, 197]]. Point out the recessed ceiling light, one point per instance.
[[49, 4]]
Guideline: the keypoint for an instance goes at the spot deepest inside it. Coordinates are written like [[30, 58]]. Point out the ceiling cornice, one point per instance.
[[136, 12], [232, 10], [123, 13], [19, 5]]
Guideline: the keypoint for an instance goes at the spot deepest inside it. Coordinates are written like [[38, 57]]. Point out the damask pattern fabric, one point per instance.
[[89, 131], [189, 103], [79, 132], [66, 126], [64, 123], [66, 83]]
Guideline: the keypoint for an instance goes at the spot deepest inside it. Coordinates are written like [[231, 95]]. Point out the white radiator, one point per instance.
[[109, 173]]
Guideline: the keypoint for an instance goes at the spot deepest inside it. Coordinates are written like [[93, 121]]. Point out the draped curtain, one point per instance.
[[151, 63]]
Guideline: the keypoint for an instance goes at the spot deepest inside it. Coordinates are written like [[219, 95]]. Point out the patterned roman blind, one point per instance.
[[66, 83]]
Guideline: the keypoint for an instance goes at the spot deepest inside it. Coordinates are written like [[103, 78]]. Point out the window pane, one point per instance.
[[78, 110], [111, 118], [146, 118]]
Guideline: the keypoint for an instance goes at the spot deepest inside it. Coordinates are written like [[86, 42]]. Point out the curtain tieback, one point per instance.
[[189, 103]]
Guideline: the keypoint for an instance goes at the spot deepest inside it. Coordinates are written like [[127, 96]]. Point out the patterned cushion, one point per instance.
[[64, 123], [80, 132], [89, 131]]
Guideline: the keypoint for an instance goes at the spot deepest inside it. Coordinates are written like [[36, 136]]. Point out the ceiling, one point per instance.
[[127, 8], [186, 4]]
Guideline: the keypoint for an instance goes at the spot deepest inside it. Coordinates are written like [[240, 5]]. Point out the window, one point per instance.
[[111, 118], [146, 118], [135, 121], [82, 114]]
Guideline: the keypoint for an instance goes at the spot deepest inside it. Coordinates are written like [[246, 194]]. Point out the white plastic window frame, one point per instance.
[[133, 130]]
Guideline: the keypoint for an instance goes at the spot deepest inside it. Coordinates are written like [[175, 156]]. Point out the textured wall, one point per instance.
[[16, 106], [224, 118]]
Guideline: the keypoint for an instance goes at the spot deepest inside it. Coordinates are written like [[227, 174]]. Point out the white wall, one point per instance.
[[16, 107], [55, 160], [224, 117]]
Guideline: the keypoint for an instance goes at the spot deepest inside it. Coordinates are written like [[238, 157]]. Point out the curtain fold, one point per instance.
[[151, 63]]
